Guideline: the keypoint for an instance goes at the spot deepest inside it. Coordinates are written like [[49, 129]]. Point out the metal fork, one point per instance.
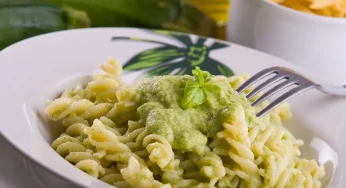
[[289, 78]]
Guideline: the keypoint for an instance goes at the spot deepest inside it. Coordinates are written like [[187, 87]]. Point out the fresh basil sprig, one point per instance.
[[196, 92]]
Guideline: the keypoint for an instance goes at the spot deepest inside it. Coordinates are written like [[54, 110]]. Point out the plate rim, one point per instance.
[[11, 141]]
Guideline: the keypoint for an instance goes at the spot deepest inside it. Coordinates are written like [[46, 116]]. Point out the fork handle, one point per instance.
[[339, 91], [333, 90]]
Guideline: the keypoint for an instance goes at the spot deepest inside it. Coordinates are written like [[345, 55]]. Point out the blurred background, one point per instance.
[[21, 19]]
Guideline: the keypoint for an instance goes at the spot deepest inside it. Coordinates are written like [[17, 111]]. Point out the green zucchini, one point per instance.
[[155, 14], [100, 15], [193, 20], [149, 13], [21, 22]]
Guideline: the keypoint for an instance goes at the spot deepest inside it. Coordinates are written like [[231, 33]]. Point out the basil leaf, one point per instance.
[[197, 73], [210, 88], [189, 86], [201, 76], [207, 76], [193, 95], [195, 92]]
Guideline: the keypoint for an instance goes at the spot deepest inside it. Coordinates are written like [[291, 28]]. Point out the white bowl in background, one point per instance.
[[317, 43], [40, 68]]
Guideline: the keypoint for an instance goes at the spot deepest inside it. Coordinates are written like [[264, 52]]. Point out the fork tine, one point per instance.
[[284, 97], [272, 91], [256, 78], [265, 84]]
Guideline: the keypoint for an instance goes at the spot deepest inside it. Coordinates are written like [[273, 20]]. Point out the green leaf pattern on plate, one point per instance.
[[164, 60]]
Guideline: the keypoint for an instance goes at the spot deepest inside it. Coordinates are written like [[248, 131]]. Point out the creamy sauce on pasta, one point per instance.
[[159, 100]]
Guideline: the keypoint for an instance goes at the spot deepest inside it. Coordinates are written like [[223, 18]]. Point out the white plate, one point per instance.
[[39, 68], [15, 165]]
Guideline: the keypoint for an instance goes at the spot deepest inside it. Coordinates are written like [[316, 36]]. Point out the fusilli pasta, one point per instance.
[[107, 137]]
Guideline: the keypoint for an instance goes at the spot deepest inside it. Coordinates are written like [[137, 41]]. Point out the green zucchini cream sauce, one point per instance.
[[159, 100]]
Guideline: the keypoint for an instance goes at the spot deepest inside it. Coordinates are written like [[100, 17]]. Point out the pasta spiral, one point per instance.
[[135, 128], [135, 169], [191, 183], [112, 69], [100, 137], [78, 93], [276, 138], [76, 157], [134, 136], [230, 180], [64, 107], [113, 177], [76, 130], [311, 171], [235, 134], [159, 148], [66, 144], [72, 119], [212, 167], [172, 173], [104, 86], [91, 167], [74, 151], [104, 89], [120, 114]]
